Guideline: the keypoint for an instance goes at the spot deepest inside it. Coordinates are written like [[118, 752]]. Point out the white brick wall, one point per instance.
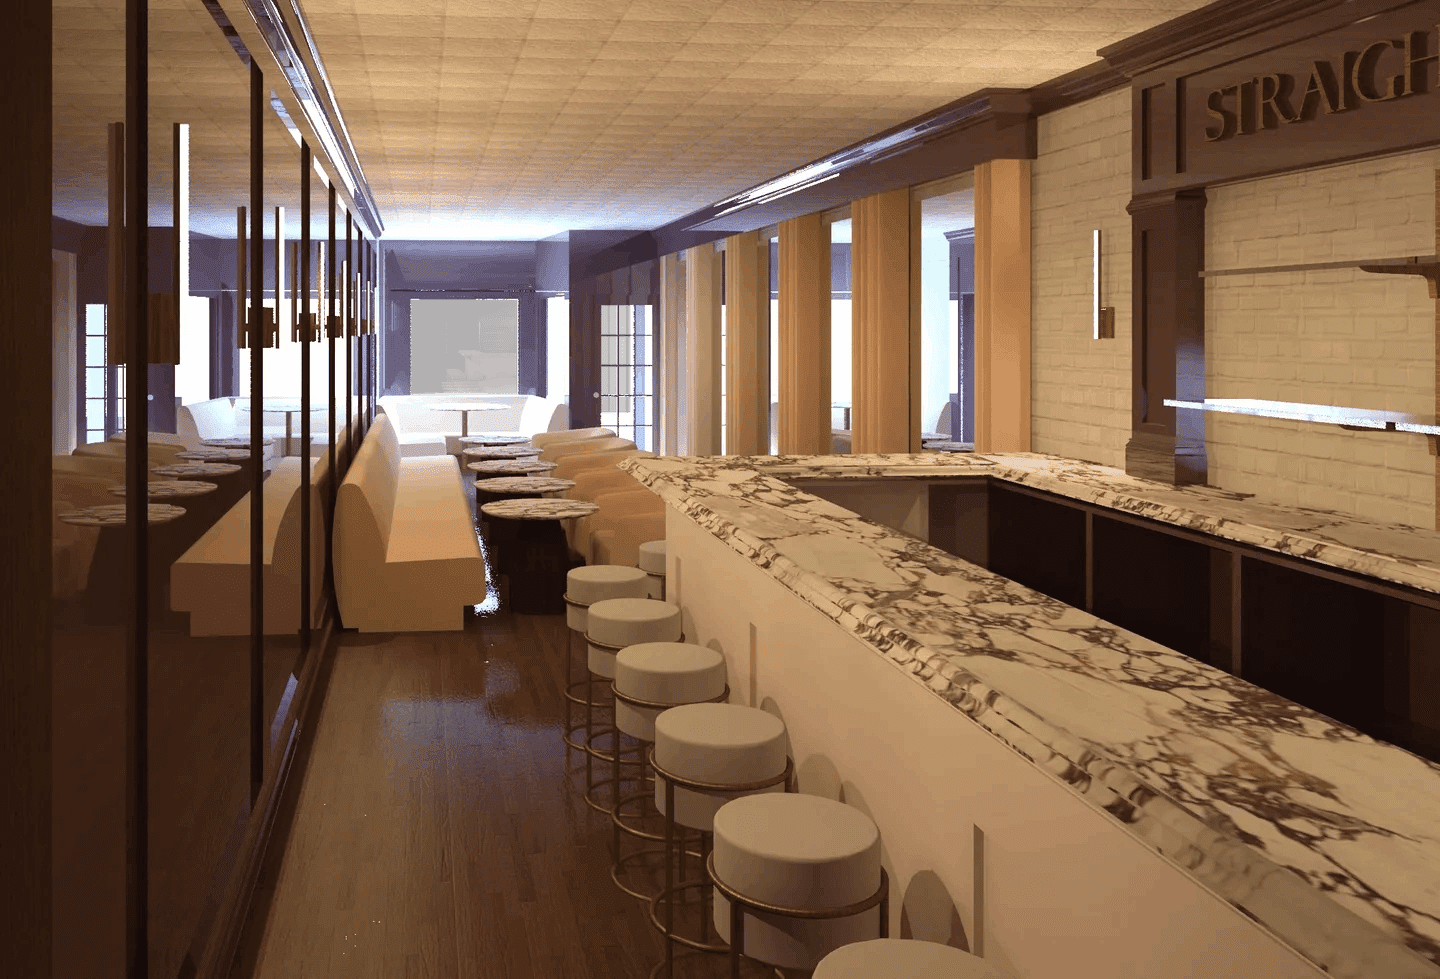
[[1337, 337], [1080, 387]]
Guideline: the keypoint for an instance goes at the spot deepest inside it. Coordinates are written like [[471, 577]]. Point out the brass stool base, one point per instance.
[[695, 943], [631, 828]]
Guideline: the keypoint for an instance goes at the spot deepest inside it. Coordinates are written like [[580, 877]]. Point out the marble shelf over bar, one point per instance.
[[1326, 837]]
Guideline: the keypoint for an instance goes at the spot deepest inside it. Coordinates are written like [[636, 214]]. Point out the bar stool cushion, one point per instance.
[[799, 851], [598, 583], [624, 622], [903, 958], [720, 743], [652, 557], [664, 672]]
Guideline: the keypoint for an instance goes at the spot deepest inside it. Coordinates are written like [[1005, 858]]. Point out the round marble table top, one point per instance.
[[523, 484], [214, 455], [539, 509], [196, 470], [235, 443], [501, 452], [494, 439], [113, 515], [948, 446], [466, 406], [169, 489], [510, 467]]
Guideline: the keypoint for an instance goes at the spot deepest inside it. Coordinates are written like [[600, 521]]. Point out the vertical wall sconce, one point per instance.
[[115, 243], [1103, 317]]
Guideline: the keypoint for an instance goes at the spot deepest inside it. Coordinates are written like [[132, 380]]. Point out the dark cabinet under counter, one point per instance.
[[1363, 651]]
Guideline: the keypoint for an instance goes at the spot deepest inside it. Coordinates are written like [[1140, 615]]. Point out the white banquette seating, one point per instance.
[[211, 580], [223, 418], [406, 556], [423, 431]]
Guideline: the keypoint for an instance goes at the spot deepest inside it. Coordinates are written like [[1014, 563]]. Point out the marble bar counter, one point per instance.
[[1326, 837]]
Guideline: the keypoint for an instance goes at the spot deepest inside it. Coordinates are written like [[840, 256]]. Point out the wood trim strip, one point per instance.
[[257, 431], [26, 695], [302, 296], [1435, 443], [136, 303]]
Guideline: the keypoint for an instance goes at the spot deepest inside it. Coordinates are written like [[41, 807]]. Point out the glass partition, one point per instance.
[[91, 564], [627, 372], [947, 308]]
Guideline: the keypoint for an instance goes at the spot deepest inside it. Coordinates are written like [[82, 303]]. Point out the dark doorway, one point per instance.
[[464, 345]]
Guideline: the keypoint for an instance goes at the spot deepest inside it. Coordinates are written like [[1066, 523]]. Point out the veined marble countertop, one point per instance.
[[1325, 836]]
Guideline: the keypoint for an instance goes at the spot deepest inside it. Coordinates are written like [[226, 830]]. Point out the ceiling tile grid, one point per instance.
[[523, 118]]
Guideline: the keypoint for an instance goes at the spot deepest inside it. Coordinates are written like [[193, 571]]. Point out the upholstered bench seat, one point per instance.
[[406, 555]]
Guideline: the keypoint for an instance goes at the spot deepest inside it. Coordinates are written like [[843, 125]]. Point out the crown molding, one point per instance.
[[1072, 88], [1215, 24]]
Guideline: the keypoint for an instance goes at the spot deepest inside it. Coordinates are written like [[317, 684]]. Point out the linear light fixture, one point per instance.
[[871, 151], [1103, 317]]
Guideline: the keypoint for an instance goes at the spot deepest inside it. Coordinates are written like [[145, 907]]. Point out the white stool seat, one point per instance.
[[798, 851], [725, 744], [666, 673], [621, 622], [904, 958], [599, 583], [652, 557]]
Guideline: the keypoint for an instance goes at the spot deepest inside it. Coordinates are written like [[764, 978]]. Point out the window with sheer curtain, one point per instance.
[[465, 345]]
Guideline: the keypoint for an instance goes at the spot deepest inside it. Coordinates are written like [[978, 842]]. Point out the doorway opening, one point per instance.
[[469, 346]]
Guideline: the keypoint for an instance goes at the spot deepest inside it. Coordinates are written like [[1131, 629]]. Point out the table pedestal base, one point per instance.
[[535, 556]]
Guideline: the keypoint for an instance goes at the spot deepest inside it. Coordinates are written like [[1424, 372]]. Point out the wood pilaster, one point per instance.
[[804, 414], [1168, 352], [882, 376], [672, 283], [1002, 306], [702, 348], [747, 342]]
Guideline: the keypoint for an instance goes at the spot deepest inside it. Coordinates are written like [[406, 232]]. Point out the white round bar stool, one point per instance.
[[904, 958], [610, 626], [775, 859], [705, 756], [652, 562], [651, 678], [583, 588]]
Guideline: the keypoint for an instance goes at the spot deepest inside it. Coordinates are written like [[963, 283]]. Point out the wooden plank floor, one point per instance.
[[438, 829]]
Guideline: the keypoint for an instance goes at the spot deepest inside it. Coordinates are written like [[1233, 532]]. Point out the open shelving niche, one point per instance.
[[1354, 419]]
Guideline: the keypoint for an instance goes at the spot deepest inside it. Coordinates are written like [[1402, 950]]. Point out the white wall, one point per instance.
[[1080, 387], [1336, 337], [1069, 893], [557, 349]]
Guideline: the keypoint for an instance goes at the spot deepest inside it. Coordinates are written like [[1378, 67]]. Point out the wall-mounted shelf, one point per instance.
[[1355, 419], [1423, 265]]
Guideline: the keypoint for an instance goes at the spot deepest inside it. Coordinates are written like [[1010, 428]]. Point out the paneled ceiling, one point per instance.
[[518, 119]]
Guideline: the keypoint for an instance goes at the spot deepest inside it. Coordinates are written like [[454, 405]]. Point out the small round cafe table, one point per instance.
[[113, 515], [946, 445], [534, 553], [465, 407], [510, 467], [168, 489], [482, 452], [517, 487], [110, 570], [494, 439], [197, 470], [239, 442], [214, 455]]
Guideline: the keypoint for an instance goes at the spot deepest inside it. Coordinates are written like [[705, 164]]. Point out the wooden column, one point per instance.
[[1002, 306], [702, 346], [747, 340], [672, 283], [804, 414], [1168, 345], [883, 371]]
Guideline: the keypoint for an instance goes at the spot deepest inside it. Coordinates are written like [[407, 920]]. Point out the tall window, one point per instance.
[[104, 413], [724, 386], [627, 373]]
